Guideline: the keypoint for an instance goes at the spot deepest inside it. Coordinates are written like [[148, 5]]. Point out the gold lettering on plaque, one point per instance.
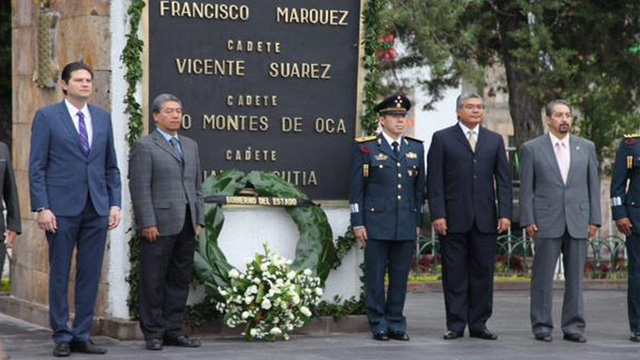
[[300, 70], [330, 17]]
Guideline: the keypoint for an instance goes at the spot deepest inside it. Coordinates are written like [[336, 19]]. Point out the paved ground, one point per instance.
[[607, 333]]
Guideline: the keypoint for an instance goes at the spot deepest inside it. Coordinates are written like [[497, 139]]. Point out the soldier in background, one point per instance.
[[386, 196], [625, 207]]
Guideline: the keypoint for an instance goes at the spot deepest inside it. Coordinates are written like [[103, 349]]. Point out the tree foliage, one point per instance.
[[579, 50]]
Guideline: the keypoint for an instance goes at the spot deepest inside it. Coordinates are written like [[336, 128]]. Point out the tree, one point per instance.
[[548, 48]]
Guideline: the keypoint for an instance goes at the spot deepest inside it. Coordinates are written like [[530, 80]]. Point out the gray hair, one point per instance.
[[466, 96], [549, 108], [159, 100]]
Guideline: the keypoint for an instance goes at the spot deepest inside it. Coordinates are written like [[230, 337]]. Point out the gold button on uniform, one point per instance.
[[399, 186], [398, 164], [399, 197], [399, 175]]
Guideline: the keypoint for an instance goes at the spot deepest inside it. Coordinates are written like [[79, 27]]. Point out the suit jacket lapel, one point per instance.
[[164, 145], [575, 157], [462, 137], [96, 125], [68, 124], [550, 154], [385, 147]]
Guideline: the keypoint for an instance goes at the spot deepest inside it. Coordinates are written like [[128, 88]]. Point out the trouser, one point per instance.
[[380, 257], [87, 233], [544, 262], [165, 275]]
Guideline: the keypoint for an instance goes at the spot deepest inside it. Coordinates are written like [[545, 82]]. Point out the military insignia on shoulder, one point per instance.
[[414, 139], [381, 157], [412, 155], [365, 139]]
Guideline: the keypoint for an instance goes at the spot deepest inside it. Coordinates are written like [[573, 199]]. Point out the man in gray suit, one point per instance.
[[166, 191], [9, 193], [560, 208]]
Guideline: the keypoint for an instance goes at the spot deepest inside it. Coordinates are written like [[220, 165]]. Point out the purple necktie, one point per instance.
[[82, 131]]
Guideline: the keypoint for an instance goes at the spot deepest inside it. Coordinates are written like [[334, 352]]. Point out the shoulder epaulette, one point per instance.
[[366, 138], [629, 136], [414, 139]]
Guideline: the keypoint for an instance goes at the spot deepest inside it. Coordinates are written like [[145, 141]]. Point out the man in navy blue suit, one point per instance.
[[387, 194], [75, 189], [467, 169]]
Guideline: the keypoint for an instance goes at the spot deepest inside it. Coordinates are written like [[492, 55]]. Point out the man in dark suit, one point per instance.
[[166, 191], [387, 196], [11, 203], [75, 188], [625, 207], [467, 169], [560, 208]]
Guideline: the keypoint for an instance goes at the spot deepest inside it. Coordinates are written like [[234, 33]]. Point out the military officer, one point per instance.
[[386, 196], [625, 207]]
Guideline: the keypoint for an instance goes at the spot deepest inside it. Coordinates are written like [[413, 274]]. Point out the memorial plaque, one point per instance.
[[266, 85]]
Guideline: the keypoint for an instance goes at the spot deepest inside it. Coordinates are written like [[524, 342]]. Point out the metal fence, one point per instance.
[[606, 257]]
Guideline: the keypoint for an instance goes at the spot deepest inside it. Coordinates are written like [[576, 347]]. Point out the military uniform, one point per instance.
[[387, 195], [625, 203]]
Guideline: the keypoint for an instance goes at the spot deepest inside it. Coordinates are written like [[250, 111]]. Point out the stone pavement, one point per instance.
[[607, 333]]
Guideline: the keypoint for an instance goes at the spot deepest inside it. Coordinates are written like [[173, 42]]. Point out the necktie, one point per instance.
[[563, 163], [395, 148], [82, 131], [472, 139], [176, 146]]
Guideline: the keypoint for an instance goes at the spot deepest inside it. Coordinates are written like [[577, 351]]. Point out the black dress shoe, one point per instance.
[[181, 341], [579, 338], [635, 336], [400, 336], [153, 344], [86, 347], [484, 334], [61, 350], [450, 335], [381, 336], [544, 337]]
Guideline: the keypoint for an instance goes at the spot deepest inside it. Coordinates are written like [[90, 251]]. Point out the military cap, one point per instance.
[[394, 104]]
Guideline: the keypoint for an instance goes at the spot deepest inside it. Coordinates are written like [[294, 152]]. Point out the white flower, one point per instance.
[[248, 300], [305, 311], [291, 275], [233, 273], [251, 290], [266, 304], [264, 267], [275, 331], [307, 272], [253, 332], [286, 337], [223, 293], [295, 299], [318, 291], [245, 315]]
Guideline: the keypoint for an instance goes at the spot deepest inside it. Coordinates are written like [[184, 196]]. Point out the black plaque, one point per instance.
[[266, 85]]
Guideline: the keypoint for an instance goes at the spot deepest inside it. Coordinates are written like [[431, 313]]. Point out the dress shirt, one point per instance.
[[390, 140], [466, 131], [563, 155], [73, 113]]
